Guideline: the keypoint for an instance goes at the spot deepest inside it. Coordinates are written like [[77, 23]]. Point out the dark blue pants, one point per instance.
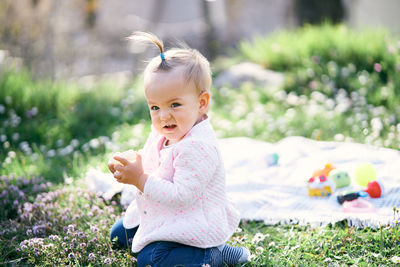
[[162, 253]]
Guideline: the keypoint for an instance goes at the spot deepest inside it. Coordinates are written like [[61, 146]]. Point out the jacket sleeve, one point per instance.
[[194, 163]]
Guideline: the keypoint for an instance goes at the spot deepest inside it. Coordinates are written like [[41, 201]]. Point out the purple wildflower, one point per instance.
[[92, 256], [54, 238], [81, 235], [107, 261], [38, 229]]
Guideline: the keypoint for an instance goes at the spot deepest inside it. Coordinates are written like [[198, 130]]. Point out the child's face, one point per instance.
[[175, 105]]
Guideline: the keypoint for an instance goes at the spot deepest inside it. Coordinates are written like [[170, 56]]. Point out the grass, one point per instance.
[[52, 132]]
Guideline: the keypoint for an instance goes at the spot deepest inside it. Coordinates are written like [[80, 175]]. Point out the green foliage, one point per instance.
[[287, 50], [48, 127], [43, 112], [273, 114], [330, 57]]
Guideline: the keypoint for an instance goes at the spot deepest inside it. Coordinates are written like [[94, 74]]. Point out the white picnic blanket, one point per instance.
[[278, 193]]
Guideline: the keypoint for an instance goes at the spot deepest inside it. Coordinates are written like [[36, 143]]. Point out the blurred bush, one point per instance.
[[45, 125], [44, 112], [328, 58]]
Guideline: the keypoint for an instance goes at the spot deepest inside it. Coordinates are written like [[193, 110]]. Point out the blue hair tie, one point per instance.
[[162, 56]]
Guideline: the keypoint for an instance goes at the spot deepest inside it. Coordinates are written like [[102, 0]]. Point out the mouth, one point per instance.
[[169, 126]]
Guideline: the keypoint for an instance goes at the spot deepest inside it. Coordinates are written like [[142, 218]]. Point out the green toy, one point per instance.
[[341, 178]]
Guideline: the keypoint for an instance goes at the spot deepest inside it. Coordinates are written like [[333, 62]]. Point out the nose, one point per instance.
[[164, 114]]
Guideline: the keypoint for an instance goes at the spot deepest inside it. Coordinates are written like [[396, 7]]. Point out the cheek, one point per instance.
[[153, 118]]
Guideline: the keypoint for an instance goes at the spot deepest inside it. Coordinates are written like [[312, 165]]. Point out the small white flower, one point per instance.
[[59, 143], [94, 143], [85, 147], [34, 111], [259, 237], [395, 259], [259, 250], [376, 124], [15, 136], [69, 180], [51, 153], [12, 154], [74, 142], [6, 144]]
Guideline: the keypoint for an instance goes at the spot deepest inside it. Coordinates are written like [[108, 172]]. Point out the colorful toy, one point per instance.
[[325, 171], [374, 190], [341, 178], [320, 186], [364, 173], [358, 205], [272, 159], [351, 196]]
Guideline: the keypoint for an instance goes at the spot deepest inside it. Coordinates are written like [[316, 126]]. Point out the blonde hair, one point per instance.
[[196, 66]]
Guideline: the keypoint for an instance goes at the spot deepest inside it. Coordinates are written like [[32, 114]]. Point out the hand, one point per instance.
[[129, 154], [130, 172]]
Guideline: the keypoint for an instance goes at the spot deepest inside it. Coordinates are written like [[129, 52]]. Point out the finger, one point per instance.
[[118, 167], [138, 157], [111, 167], [117, 175], [123, 161]]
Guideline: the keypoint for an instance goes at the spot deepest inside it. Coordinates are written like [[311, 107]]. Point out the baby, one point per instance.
[[181, 215]]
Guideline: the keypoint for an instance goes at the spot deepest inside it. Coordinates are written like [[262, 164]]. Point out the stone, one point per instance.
[[238, 74]]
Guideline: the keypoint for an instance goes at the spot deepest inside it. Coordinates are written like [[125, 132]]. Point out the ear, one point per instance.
[[204, 102]]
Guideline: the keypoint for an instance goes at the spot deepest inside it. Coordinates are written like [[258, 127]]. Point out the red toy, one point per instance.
[[374, 189]]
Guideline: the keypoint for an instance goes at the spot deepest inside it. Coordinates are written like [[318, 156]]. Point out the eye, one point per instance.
[[175, 105], [154, 108]]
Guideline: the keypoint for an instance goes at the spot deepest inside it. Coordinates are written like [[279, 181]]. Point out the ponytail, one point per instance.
[[146, 37]]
